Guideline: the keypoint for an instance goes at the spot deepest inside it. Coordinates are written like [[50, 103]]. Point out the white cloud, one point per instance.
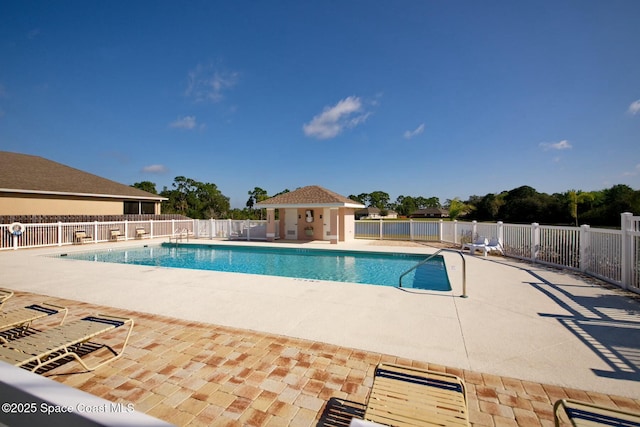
[[186, 122], [159, 169], [347, 113], [634, 108], [561, 145], [417, 131], [205, 83]]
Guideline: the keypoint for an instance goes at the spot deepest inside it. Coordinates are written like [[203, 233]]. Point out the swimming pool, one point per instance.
[[374, 268]]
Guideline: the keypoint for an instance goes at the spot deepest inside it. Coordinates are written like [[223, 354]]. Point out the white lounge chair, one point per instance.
[[494, 245], [480, 244]]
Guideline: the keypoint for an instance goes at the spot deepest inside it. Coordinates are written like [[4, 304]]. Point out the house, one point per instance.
[[375, 213], [312, 213], [33, 185], [430, 213]]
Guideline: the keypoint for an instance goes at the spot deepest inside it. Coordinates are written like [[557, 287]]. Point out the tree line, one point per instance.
[[521, 205]]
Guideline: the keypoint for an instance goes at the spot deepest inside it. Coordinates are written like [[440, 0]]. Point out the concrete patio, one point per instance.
[[237, 349]]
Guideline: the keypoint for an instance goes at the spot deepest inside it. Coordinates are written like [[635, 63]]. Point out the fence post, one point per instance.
[[474, 230], [500, 233], [173, 226], [126, 229], [59, 233], [455, 231], [585, 248], [411, 229], [626, 264], [151, 228], [440, 230], [248, 228], [380, 229], [535, 241], [95, 231]]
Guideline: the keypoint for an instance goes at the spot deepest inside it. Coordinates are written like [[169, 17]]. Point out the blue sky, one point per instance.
[[416, 98]]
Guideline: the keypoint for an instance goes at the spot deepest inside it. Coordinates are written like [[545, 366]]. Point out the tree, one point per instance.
[[195, 199], [361, 198], [405, 205], [457, 208], [256, 195], [487, 208], [379, 199], [575, 198], [148, 186], [212, 203]]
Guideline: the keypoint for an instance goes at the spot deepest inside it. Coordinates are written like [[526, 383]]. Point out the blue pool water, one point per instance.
[[373, 268]]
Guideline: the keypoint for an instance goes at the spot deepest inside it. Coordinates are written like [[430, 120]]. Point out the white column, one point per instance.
[[626, 263], [535, 241], [585, 247]]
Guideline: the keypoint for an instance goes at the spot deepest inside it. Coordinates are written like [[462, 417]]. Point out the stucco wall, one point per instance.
[[54, 205], [316, 224], [347, 224]]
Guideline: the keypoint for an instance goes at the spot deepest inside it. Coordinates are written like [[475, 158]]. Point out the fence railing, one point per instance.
[[64, 233], [611, 255]]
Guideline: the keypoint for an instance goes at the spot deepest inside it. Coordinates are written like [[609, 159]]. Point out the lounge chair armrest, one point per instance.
[[124, 320], [59, 308], [5, 294], [580, 412]]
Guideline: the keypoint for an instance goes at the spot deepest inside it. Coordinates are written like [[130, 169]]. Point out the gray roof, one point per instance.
[[311, 196], [24, 173]]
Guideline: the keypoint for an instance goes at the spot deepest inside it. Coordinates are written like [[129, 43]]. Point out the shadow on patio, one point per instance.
[[607, 324]]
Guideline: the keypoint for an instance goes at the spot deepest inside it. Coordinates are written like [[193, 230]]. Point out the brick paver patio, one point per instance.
[[196, 374]]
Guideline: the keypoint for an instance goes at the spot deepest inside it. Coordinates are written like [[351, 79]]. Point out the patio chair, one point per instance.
[[408, 396], [81, 236], [115, 234], [47, 347], [494, 245], [589, 414], [480, 244], [5, 294], [140, 232], [22, 317]]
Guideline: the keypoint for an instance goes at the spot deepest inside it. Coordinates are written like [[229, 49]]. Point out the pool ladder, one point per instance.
[[179, 236], [464, 269]]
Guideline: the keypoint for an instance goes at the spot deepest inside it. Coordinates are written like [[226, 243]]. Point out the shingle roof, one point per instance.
[[310, 196], [37, 175]]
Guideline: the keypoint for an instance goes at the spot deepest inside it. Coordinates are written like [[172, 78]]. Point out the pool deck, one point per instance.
[[525, 336]]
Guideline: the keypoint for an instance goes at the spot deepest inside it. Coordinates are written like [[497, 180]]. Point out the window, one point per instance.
[[137, 208], [148, 208], [130, 208]]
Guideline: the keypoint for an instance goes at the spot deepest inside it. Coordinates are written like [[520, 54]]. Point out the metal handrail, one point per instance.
[[464, 269]]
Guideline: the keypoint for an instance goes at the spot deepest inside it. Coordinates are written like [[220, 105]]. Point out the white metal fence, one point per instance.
[[233, 229], [64, 233], [612, 255]]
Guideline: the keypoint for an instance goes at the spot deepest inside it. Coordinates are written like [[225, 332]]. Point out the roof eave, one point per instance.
[[310, 205], [63, 193]]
